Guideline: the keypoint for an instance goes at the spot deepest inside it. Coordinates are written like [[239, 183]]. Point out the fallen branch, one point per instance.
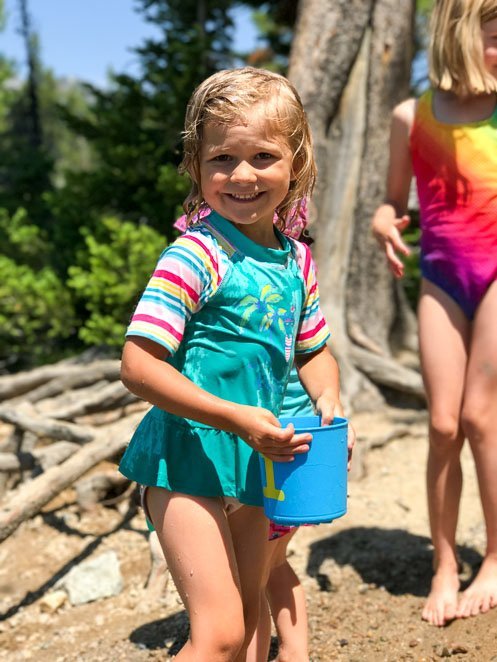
[[45, 457], [112, 395], [30, 497], [12, 386], [46, 427]]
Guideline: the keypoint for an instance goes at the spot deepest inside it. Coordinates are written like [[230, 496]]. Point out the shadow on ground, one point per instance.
[[393, 558], [167, 633]]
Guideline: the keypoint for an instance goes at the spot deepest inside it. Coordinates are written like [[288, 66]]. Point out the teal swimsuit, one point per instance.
[[238, 346]]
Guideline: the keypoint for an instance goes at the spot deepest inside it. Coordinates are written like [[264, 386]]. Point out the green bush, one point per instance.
[[36, 313], [110, 276]]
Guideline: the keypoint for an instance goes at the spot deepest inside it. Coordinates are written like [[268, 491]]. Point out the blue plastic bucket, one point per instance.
[[313, 488]]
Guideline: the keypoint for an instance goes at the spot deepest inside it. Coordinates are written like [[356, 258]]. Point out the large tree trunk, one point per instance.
[[351, 61]]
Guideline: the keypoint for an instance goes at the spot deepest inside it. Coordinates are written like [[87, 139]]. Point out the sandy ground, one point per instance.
[[366, 575]]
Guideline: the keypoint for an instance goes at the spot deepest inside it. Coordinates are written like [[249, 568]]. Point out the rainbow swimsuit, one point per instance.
[[455, 166]]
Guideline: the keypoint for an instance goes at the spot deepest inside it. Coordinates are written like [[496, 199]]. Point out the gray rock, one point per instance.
[[97, 578]]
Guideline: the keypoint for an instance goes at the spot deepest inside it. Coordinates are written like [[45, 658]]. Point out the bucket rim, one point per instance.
[[337, 423]]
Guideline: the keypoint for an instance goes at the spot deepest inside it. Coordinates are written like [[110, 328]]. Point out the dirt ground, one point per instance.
[[366, 575]]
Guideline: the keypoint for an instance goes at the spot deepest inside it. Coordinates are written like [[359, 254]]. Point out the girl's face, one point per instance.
[[245, 173], [489, 35]]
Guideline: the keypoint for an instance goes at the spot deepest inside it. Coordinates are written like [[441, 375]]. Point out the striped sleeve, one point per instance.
[[187, 274], [313, 330]]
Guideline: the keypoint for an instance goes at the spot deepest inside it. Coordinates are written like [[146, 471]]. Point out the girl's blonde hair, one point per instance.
[[456, 46], [228, 97]]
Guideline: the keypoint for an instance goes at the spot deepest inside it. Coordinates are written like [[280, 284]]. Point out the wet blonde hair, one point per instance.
[[227, 98], [456, 46]]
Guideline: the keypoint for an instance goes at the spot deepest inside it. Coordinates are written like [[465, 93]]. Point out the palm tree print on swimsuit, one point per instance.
[[272, 316]]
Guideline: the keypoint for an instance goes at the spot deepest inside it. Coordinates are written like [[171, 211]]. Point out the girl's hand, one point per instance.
[[263, 432], [326, 406], [387, 229]]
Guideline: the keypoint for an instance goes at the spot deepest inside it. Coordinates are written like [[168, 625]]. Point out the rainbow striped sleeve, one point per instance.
[[313, 330], [186, 276]]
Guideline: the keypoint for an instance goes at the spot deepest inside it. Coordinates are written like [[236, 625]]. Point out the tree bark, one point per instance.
[[350, 61]]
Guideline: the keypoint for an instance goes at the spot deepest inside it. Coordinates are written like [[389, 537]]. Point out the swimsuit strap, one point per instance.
[[223, 241]]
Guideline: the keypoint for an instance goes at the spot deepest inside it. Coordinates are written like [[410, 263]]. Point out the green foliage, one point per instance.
[[36, 312], [275, 20], [424, 6], [412, 277], [111, 275], [21, 240]]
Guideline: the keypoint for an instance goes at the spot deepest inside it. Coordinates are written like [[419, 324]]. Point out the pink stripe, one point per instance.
[[207, 251], [140, 317], [173, 278], [313, 288], [307, 264], [311, 332]]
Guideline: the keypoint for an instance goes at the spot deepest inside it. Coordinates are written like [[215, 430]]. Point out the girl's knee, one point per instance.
[[219, 643], [444, 431], [474, 421]]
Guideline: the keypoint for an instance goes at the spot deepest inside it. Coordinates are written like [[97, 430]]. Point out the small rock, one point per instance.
[[96, 578], [458, 649], [413, 643], [343, 642], [51, 602]]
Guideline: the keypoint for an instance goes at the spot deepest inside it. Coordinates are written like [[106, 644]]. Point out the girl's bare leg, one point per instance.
[[443, 339], [287, 602], [285, 596], [249, 531], [479, 420], [196, 540]]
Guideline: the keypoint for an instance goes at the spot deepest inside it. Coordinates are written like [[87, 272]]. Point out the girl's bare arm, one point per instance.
[[319, 375], [145, 372], [390, 218]]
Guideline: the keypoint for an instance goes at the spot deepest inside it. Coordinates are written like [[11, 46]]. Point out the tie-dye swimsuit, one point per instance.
[[456, 171]]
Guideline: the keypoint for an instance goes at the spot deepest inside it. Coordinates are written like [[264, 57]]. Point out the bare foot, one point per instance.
[[481, 595], [441, 605]]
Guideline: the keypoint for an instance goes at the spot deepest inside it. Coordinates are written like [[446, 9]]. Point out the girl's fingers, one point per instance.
[[395, 264]]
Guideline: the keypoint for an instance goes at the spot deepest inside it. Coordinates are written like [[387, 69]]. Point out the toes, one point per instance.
[[450, 612], [485, 604]]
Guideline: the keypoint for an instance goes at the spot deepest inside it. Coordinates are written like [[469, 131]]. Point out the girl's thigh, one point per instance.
[[443, 344], [196, 540], [481, 380], [249, 529]]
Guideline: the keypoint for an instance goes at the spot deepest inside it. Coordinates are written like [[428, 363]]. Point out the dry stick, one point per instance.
[[45, 457], [22, 382], [85, 376], [46, 427], [30, 498], [112, 395]]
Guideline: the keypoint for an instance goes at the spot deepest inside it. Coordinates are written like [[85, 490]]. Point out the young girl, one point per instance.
[[211, 345], [449, 140], [283, 595]]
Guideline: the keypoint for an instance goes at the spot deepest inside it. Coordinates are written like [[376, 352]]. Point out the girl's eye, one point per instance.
[[264, 155], [222, 158]]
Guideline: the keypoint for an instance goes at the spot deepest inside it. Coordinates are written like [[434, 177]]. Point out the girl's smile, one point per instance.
[[245, 174]]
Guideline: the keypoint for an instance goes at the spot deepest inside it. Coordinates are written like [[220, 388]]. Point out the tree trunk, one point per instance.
[[350, 61]]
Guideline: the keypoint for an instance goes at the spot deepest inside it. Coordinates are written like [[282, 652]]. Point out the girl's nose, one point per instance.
[[243, 173]]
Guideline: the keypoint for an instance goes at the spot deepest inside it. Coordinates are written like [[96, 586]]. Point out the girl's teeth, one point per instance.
[[248, 196]]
